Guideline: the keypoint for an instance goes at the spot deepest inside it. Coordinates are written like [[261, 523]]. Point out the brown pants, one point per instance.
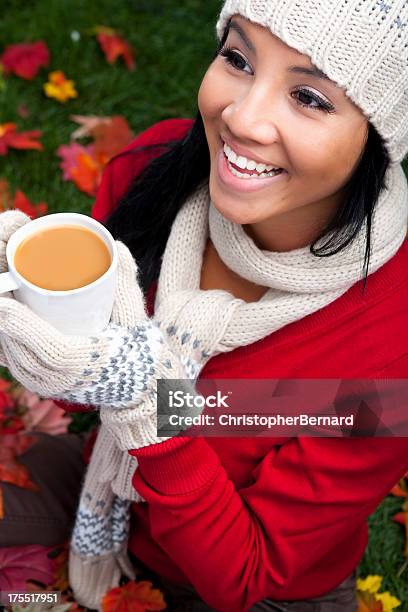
[[46, 518]]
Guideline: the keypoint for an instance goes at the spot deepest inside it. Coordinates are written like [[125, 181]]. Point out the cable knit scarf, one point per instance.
[[299, 284]]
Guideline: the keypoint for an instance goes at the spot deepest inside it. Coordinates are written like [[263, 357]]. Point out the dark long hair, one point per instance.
[[144, 216]]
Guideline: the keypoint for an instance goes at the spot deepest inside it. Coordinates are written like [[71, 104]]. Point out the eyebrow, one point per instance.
[[313, 71]]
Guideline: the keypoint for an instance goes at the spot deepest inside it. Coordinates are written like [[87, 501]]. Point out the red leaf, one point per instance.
[[399, 518], [25, 59], [115, 46], [18, 564], [9, 137], [32, 210], [133, 597]]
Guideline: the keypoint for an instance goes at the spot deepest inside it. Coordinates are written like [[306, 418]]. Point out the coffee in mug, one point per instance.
[[62, 258]]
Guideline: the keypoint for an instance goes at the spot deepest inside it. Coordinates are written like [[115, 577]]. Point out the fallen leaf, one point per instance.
[[11, 138], [133, 597], [11, 470], [400, 490], [21, 563], [88, 124], [24, 204], [42, 415], [388, 601], [115, 46], [17, 474], [110, 134], [59, 87], [25, 59], [368, 603], [80, 166]]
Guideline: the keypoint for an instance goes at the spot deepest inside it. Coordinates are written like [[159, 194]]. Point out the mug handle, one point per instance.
[[7, 282]]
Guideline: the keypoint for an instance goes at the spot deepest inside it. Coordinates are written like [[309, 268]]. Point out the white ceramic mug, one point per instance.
[[84, 311]]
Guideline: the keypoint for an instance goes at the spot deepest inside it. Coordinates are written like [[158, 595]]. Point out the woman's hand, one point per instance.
[[55, 365]]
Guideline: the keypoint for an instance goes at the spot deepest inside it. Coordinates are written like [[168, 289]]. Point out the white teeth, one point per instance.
[[241, 162], [231, 155], [245, 163], [251, 176]]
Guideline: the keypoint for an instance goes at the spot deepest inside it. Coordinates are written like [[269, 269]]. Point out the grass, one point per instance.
[[174, 42]]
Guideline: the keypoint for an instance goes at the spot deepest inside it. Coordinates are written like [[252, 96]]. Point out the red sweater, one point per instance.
[[243, 519]]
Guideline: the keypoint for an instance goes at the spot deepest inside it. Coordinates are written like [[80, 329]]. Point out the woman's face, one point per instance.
[[263, 100]]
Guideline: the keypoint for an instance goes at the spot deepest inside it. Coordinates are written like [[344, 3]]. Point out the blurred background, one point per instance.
[[143, 61]]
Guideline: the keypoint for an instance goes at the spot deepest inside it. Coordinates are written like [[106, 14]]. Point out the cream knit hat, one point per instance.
[[361, 45]]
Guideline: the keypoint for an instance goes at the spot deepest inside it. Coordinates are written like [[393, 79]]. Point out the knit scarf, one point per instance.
[[299, 284]]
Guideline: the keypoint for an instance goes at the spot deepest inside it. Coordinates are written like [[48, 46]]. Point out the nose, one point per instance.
[[253, 116]]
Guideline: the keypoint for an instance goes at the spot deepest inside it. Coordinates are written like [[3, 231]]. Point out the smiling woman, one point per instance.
[[301, 274], [267, 103]]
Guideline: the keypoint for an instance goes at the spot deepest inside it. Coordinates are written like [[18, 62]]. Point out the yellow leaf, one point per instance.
[[371, 583], [389, 602]]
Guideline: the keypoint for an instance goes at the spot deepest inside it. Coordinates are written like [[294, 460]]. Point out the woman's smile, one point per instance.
[[228, 176]]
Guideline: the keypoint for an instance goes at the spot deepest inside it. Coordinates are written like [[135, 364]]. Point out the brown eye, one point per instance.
[[233, 58], [309, 99]]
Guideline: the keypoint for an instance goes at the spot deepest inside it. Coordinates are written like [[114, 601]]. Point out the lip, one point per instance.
[[243, 185], [246, 153]]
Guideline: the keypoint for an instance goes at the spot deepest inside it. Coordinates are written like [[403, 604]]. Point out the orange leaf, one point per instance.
[[16, 473], [368, 603], [87, 174], [400, 489], [110, 134], [11, 470], [112, 137], [80, 166], [10, 137], [133, 597], [115, 46]]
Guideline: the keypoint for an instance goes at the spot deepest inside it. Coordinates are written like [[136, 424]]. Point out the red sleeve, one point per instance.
[[117, 177], [307, 496]]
